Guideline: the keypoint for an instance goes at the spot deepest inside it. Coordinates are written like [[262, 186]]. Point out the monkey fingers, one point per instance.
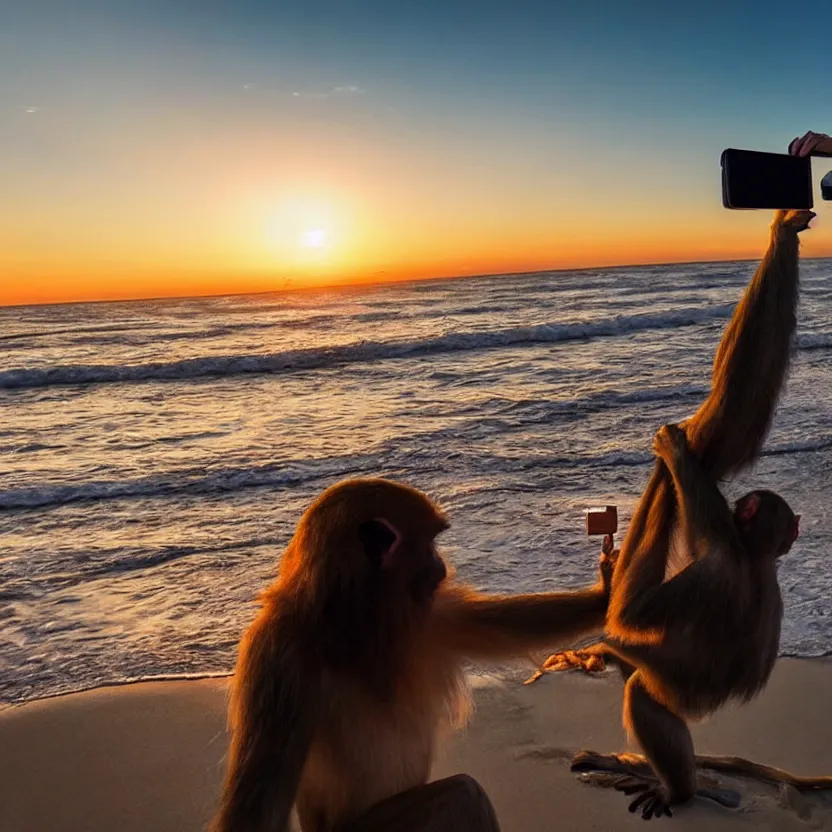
[[568, 660], [607, 561], [667, 440], [651, 801], [797, 219], [628, 784]]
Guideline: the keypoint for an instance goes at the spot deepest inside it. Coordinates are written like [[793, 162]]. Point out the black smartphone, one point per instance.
[[751, 179]]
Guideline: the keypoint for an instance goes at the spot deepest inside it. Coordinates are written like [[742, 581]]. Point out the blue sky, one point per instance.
[[598, 106], [741, 65]]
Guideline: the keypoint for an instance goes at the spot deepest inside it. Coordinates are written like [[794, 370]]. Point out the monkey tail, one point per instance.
[[760, 771]]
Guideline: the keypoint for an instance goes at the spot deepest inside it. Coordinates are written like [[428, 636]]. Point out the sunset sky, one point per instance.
[[164, 147]]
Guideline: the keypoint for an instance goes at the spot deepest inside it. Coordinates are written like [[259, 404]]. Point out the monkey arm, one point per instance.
[[751, 362], [272, 715], [707, 521], [483, 626], [643, 559], [645, 600], [727, 431]]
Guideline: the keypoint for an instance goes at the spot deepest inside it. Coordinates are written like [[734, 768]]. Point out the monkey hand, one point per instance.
[[606, 567], [795, 221], [585, 660], [670, 443], [652, 801]]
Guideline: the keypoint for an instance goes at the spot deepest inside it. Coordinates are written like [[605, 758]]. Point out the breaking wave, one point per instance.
[[362, 352]]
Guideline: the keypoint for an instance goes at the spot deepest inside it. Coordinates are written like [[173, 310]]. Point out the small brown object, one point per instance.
[[602, 521]]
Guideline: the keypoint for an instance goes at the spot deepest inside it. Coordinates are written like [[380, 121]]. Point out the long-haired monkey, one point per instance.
[[689, 642], [353, 670]]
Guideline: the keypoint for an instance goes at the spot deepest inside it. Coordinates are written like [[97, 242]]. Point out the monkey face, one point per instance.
[[409, 561], [766, 524], [428, 574]]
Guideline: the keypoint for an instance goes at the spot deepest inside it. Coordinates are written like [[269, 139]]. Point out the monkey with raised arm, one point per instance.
[[353, 670], [663, 633], [719, 620]]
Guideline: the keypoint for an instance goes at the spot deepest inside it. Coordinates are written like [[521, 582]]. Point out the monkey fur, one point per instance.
[[352, 672], [690, 642]]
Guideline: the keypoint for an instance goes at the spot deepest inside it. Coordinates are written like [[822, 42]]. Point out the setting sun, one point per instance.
[[314, 238], [305, 230], [263, 169]]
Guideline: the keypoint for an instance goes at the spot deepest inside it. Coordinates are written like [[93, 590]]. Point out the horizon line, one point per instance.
[[370, 283]]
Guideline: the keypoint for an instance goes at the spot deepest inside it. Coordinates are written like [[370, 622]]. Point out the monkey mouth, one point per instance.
[[425, 588]]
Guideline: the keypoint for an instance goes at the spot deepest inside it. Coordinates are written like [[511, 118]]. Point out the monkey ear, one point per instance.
[[795, 527], [380, 539], [748, 507]]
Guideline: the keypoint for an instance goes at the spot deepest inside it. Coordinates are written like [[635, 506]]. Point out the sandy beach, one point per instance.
[[150, 756]]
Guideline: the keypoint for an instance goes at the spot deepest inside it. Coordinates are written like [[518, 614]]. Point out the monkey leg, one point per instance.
[[667, 743], [455, 804], [665, 738], [629, 764], [635, 767]]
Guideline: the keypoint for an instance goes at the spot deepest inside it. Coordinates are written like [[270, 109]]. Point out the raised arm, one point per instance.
[[752, 361], [706, 519], [728, 430]]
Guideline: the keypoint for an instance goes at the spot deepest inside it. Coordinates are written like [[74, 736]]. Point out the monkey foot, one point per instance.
[[651, 800], [630, 773], [628, 764], [568, 660]]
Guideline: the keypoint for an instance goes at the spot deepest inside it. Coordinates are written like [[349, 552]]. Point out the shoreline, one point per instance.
[[150, 754], [508, 673]]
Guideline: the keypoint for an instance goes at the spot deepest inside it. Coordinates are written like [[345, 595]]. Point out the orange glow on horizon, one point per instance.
[[150, 154], [368, 215], [313, 264]]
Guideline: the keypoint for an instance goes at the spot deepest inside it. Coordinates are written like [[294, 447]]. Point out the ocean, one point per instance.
[[155, 456]]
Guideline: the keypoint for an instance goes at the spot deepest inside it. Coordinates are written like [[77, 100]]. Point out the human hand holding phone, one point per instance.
[[811, 144]]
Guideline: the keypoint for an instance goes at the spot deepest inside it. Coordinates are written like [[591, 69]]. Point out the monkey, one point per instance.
[[661, 630], [352, 672], [678, 676]]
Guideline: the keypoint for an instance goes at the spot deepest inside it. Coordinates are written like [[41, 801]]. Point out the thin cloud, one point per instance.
[[330, 93], [30, 110], [340, 90]]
